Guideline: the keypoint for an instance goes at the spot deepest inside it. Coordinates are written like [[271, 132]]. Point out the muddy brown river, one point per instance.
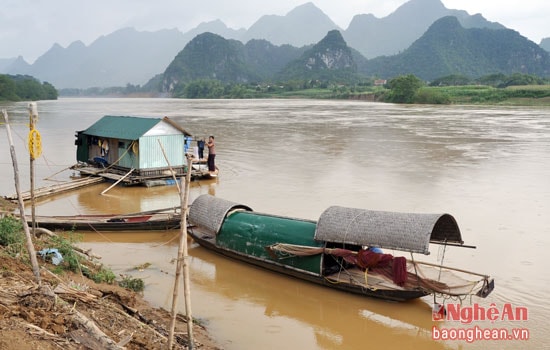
[[487, 166]]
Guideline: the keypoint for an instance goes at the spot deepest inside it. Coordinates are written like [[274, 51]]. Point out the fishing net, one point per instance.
[[407, 274]]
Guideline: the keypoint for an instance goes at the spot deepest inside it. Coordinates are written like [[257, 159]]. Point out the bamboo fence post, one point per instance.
[[30, 246], [33, 117], [183, 266]]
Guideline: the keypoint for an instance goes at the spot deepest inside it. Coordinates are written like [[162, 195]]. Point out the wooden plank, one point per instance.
[[58, 188]]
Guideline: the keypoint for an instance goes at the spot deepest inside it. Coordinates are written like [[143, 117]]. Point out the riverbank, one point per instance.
[[70, 311]]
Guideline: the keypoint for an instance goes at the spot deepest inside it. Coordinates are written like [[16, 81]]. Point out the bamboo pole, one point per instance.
[[182, 266], [169, 166], [186, 277], [116, 183], [33, 116], [30, 246], [449, 268], [59, 172]]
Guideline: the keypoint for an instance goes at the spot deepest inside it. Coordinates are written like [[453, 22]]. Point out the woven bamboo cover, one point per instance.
[[402, 231], [209, 212]]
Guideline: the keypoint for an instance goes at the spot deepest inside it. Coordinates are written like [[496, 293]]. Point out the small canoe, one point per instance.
[[155, 220], [337, 251]]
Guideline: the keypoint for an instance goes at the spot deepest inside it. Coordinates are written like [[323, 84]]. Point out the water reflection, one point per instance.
[[337, 320], [268, 310]]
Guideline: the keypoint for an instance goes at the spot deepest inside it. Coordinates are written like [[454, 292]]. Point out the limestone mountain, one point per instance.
[[125, 56], [211, 57], [17, 64], [128, 56], [329, 60], [216, 27], [304, 25], [394, 33], [545, 44], [267, 60], [208, 56], [448, 48]]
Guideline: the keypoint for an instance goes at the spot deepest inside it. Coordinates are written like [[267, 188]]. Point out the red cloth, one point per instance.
[[368, 259], [399, 269], [348, 255]]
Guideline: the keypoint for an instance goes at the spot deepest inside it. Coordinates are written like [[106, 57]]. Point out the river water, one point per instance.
[[487, 166]]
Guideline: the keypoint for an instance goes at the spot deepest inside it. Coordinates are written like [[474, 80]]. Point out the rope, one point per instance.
[[296, 250]]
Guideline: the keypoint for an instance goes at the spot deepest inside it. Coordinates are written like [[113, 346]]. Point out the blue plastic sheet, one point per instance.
[[56, 256]]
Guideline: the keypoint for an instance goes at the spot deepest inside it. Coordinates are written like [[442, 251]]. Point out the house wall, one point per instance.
[[127, 157], [82, 148], [151, 155]]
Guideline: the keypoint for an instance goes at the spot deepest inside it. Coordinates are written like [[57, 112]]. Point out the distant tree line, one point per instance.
[[25, 88], [495, 80], [491, 88], [402, 89]]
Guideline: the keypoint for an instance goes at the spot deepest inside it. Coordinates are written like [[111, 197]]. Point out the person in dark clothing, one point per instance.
[[200, 145]]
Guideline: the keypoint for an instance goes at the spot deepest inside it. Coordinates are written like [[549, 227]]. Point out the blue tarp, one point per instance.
[[57, 258]]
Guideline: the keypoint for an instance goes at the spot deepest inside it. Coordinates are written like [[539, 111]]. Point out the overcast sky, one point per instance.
[[30, 27]]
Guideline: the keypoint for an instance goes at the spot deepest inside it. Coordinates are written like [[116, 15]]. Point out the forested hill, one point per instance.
[[448, 48], [211, 57], [445, 49], [25, 88]]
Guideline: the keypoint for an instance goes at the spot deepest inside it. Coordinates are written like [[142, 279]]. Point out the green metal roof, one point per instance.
[[128, 128]]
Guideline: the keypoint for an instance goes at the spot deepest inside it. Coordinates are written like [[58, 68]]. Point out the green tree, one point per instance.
[[522, 79], [50, 92], [7, 88], [24, 87], [237, 91], [451, 80], [204, 89], [403, 88]]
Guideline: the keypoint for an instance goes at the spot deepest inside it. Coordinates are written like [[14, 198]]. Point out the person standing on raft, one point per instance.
[[211, 155]]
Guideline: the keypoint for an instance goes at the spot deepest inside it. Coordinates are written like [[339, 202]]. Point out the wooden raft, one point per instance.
[[57, 188]]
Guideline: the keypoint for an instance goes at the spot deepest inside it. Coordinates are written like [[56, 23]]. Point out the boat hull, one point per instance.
[[131, 222], [114, 226], [208, 241]]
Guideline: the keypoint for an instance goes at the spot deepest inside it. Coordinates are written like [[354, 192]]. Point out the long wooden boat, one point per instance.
[[338, 250], [157, 220]]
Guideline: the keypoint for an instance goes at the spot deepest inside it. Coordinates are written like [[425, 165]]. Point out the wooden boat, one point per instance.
[[333, 250], [156, 220]]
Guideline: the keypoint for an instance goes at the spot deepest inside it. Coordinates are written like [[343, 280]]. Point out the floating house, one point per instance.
[[133, 150]]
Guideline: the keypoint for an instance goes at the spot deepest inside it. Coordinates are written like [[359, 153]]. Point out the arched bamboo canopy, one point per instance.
[[409, 232]]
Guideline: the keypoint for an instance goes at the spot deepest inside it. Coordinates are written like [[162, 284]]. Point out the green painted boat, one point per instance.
[[337, 250]]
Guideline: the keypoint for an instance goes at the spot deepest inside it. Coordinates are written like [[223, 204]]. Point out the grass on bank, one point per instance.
[[524, 95], [13, 244]]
